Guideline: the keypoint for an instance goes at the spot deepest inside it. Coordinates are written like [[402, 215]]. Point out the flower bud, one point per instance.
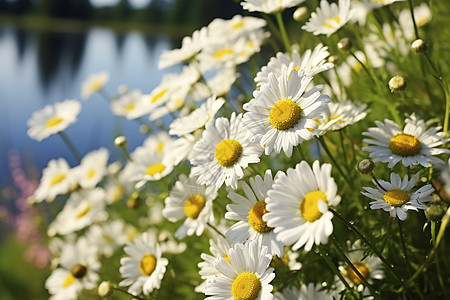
[[104, 289], [435, 212], [122, 89], [300, 14], [366, 166], [145, 129], [345, 44], [418, 46], [397, 84], [120, 141], [134, 201], [333, 59], [78, 271]]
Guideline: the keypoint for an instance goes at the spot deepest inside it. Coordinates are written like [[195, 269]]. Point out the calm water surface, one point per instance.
[[40, 68]]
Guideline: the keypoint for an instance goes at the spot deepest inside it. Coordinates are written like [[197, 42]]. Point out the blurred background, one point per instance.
[[47, 49]]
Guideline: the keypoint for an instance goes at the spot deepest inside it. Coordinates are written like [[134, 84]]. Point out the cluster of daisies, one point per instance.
[[242, 163]]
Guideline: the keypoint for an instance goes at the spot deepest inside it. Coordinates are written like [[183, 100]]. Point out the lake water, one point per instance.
[[39, 68]]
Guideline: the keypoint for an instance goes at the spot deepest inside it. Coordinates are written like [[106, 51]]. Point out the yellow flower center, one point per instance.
[[330, 22], [228, 152], [130, 107], [91, 173], [404, 144], [57, 179], [362, 269], [309, 208], [85, 210], [222, 52], [160, 147], [147, 264], [53, 121], [69, 280], [159, 95], [108, 239], [246, 286], [155, 169], [96, 85], [255, 217], [194, 205], [285, 114], [396, 197]]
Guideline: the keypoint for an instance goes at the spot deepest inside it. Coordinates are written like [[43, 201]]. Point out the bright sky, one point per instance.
[[135, 3]]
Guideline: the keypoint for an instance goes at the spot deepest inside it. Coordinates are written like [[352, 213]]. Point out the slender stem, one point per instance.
[[324, 145], [351, 265], [127, 293], [436, 260], [363, 65], [376, 181], [336, 271], [411, 9], [216, 230], [402, 242], [70, 145], [344, 153], [447, 106], [300, 152], [284, 35]]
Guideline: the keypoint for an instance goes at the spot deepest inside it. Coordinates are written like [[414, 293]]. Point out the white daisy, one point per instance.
[[93, 84], [143, 268], [298, 205], [92, 168], [218, 85], [269, 6], [281, 114], [235, 27], [249, 212], [131, 105], [396, 196], [107, 237], [246, 276], [413, 145], [190, 202], [57, 179], [305, 292], [77, 270], [53, 119], [309, 64], [198, 118], [223, 152], [372, 4], [218, 248], [81, 209], [329, 17]]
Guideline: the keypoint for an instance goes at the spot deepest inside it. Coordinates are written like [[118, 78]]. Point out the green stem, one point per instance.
[[436, 260], [216, 230], [284, 35], [70, 145], [363, 66], [127, 293], [411, 9], [324, 145], [344, 153], [447, 107], [403, 244]]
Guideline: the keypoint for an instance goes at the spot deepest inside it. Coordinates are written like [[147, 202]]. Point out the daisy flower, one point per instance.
[[372, 4], [422, 16], [235, 27], [57, 179], [81, 209], [413, 145], [143, 268], [223, 152], [92, 168], [329, 17], [311, 292], [309, 64], [131, 105], [198, 118], [190, 202], [77, 270], [93, 84], [218, 85], [298, 205], [107, 237], [218, 248], [53, 119], [249, 212], [281, 114], [396, 196], [269, 6], [245, 276]]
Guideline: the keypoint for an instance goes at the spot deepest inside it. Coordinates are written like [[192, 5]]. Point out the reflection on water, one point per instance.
[[39, 68]]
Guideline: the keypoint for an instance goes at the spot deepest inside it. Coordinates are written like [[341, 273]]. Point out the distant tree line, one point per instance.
[[177, 12]]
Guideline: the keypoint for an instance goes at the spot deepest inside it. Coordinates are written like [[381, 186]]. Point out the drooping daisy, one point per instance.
[[329, 17], [396, 196], [413, 145], [269, 6], [198, 118], [143, 268], [298, 205], [78, 266], [305, 292], [57, 179], [92, 168], [245, 276], [81, 209], [193, 203], [107, 237], [281, 113], [249, 212], [93, 84], [218, 248], [223, 152], [53, 119]]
